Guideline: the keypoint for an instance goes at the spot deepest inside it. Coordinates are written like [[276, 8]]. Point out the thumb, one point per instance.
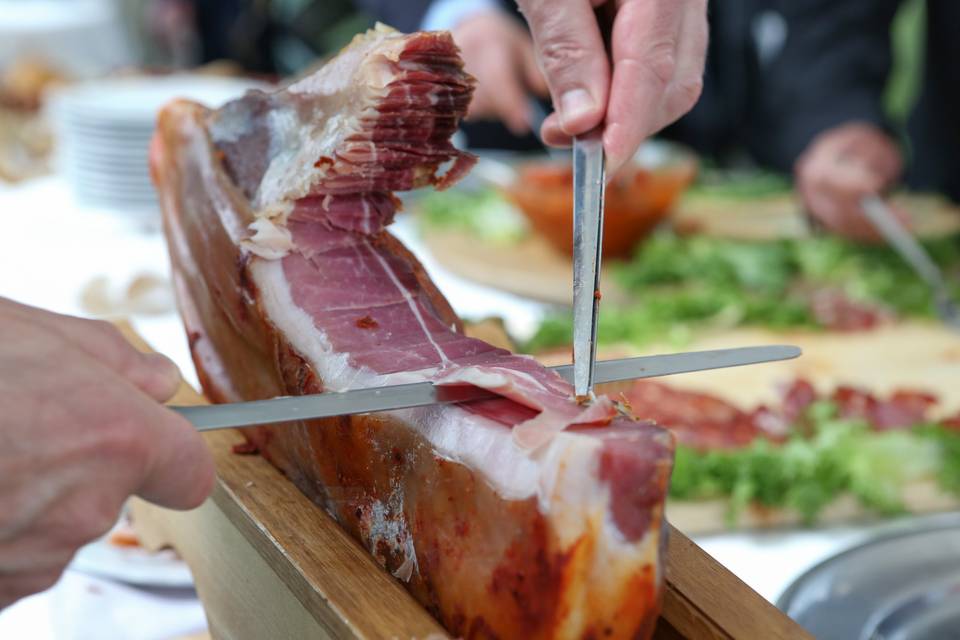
[[573, 59], [179, 473]]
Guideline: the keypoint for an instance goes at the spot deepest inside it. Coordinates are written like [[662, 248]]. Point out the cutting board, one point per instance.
[[917, 355], [781, 216], [914, 354], [528, 267], [268, 563]]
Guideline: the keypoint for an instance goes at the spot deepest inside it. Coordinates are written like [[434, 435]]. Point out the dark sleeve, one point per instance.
[[935, 122], [403, 15], [832, 69]]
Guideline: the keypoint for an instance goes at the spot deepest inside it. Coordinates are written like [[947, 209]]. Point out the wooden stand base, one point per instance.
[[268, 563]]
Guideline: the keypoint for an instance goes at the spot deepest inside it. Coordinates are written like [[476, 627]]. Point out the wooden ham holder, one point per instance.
[[269, 563]]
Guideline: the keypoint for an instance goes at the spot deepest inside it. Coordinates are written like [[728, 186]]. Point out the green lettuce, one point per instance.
[[808, 472], [679, 284]]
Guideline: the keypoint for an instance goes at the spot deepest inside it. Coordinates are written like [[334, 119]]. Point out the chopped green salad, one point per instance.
[[482, 213], [681, 283], [807, 473]]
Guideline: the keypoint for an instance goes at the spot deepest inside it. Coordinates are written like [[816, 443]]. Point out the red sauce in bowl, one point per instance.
[[637, 199]]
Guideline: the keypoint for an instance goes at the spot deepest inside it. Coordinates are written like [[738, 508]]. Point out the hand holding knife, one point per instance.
[[589, 183]]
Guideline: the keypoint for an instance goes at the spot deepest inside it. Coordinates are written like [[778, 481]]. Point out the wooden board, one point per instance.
[[918, 355], [915, 354], [781, 216], [268, 563], [529, 267]]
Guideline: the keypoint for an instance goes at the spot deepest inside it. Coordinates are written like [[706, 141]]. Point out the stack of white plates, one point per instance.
[[103, 130], [79, 38]]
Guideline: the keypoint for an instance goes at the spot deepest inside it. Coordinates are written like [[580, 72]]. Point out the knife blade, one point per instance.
[[404, 396], [913, 253], [589, 183]]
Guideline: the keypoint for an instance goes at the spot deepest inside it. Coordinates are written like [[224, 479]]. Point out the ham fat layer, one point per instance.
[[523, 516]]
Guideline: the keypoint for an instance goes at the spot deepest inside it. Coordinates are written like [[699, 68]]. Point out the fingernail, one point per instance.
[[575, 104]]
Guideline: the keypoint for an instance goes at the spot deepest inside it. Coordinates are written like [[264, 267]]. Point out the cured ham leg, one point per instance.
[[525, 516]]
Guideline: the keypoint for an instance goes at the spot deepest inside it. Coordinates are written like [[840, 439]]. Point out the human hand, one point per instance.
[[81, 429], [839, 168], [498, 52], [657, 48]]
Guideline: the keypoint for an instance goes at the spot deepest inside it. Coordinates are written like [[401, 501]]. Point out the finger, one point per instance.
[[16, 587], [552, 133], [573, 59], [154, 374], [867, 144], [684, 90], [180, 472], [901, 214], [645, 46], [35, 553], [142, 447], [832, 192]]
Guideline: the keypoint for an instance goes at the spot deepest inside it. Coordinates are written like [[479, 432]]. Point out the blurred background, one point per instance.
[[743, 223]]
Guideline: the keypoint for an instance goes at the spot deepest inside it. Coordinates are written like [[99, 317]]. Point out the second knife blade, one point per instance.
[[403, 396]]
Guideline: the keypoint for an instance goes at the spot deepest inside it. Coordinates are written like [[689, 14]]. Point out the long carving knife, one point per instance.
[[589, 183], [588, 186], [913, 253], [324, 405]]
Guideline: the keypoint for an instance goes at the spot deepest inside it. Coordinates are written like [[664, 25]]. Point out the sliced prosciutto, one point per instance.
[[525, 516]]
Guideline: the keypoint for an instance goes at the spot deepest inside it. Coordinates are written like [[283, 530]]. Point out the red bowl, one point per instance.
[[638, 198]]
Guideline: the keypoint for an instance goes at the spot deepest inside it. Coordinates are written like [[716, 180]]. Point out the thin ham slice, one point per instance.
[[527, 515], [708, 422]]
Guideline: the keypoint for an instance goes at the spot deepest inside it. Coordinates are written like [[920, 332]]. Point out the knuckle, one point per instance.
[[116, 347], [688, 93], [661, 61], [559, 55], [107, 330]]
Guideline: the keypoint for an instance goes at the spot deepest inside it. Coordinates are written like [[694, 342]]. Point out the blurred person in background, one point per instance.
[[935, 122], [791, 85], [655, 76], [795, 86]]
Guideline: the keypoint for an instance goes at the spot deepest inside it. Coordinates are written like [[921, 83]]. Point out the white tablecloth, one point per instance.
[[50, 250]]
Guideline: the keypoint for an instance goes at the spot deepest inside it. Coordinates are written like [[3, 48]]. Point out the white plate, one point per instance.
[[134, 162], [135, 101], [111, 171], [132, 565], [125, 181]]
